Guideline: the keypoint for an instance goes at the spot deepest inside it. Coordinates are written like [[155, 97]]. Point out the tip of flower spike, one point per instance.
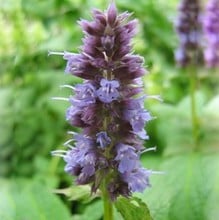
[[111, 13]]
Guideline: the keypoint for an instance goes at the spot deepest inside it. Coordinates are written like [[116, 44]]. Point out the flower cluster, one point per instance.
[[107, 107], [211, 29], [188, 27]]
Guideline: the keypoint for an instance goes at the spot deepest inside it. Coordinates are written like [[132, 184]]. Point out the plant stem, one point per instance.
[[195, 124], [107, 203]]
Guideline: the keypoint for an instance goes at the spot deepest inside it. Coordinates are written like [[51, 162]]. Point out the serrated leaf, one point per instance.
[[132, 208]]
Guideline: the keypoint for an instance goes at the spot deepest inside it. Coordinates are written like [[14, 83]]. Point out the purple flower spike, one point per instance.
[[108, 91], [103, 139], [188, 27], [211, 29], [108, 106]]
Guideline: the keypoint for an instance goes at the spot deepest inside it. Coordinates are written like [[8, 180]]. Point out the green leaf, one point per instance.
[[210, 126], [212, 106], [188, 190], [132, 208], [25, 199], [5, 115], [93, 212], [174, 125]]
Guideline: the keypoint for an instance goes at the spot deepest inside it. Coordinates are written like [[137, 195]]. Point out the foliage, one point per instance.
[[25, 199], [187, 190]]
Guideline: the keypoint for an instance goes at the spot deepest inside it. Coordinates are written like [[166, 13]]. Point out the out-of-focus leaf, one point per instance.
[[178, 135], [132, 208], [25, 199], [33, 124], [210, 126], [188, 190], [39, 7], [93, 212], [212, 106]]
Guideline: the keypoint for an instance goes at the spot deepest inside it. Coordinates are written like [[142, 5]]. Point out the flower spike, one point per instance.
[[108, 107]]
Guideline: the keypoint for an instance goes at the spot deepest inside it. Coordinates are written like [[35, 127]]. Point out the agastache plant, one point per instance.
[[188, 27], [109, 108], [211, 30]]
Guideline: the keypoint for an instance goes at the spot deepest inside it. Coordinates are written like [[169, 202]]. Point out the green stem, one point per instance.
[[195, 126], [107, 203]]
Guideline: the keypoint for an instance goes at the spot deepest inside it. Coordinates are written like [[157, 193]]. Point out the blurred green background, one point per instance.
[[32, 125]]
